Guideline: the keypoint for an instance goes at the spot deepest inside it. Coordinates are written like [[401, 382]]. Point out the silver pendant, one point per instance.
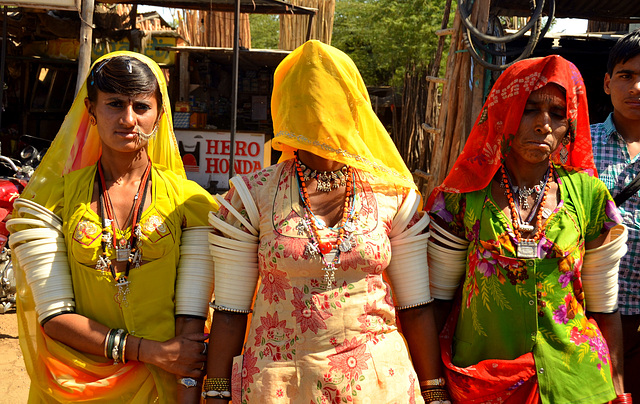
[[103, 263], [311, 249], [301, 228], [320, 224], [525, 226], [122, 295], [122, 254], [345, 245], [527, 249], [349, 226], [329, 275]]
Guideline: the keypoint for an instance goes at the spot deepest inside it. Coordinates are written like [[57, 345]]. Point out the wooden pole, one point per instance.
[[234, 86], [86, 37]]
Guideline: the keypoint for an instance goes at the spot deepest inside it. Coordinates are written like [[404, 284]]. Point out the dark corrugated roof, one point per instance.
[[246, 6], [602, 10]]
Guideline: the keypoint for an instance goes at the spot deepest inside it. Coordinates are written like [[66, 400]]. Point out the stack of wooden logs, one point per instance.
[[449, 123], [212, 28], [293, 28]]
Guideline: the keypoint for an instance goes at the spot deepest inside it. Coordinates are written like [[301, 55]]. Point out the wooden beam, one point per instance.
[[438, 80], [86, 37], [445, 31]]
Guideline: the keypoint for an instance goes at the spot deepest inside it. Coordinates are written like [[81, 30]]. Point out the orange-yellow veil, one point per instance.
[[77, 144], [320, 104]]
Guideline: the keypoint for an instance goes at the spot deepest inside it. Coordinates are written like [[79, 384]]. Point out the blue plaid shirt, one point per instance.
[[616, 170]]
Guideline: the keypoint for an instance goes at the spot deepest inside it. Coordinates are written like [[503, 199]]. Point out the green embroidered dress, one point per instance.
[[513, 306]]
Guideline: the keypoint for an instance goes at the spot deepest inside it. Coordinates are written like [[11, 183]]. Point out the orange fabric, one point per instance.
[[500, 118], [489, 381]]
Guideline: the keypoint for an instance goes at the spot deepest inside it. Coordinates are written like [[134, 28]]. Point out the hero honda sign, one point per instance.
[[205, 155]]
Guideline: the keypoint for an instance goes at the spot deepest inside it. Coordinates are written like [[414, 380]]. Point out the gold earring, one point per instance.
[[92, 120]]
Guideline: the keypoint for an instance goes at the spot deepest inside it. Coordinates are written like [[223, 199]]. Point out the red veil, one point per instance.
[[499, 120]]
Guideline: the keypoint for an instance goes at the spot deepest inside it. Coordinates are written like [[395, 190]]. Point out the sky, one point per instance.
[[569, 26]]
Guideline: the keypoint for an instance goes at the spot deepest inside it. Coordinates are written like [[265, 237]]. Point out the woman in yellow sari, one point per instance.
[[323, 230], [109, 240]]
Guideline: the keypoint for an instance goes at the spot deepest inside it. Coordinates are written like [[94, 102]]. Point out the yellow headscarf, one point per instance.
[[77, 144], [320, 104]]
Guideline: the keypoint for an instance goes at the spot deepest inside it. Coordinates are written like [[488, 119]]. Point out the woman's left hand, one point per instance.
[[183, 355]]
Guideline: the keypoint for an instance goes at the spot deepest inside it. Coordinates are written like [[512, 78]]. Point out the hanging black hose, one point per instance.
[[478, 43], [475, 39]]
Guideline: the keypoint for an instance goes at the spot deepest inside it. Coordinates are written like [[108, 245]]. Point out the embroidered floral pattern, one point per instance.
[[496, 280]]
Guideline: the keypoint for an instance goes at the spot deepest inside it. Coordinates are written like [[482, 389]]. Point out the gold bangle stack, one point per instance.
[[435, 394], [217, 383], [433, 382]]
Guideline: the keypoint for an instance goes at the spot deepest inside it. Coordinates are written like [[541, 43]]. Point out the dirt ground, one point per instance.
[[14, 381]]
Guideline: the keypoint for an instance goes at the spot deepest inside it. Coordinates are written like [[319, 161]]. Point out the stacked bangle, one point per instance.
[[433, 382], [217, 383], [217, 387], [115, 345], [438, 394], [622, 399]]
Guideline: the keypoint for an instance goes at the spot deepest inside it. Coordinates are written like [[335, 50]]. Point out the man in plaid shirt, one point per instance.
[[616, 149]]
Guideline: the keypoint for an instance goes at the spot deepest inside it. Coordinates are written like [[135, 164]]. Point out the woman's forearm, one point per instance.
[[226, 340], [420, 332], [611, 327]]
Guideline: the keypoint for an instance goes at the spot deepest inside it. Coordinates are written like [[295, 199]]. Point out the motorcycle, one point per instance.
[[14, 175]]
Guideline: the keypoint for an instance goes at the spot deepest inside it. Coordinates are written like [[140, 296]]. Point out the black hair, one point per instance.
[[626, 48], [122, 75]]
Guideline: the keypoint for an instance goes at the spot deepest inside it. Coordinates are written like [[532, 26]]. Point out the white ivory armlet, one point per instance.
[[236, 262], [194, 284], [41, 253], [600, 272], [447, 256], [407, 270]]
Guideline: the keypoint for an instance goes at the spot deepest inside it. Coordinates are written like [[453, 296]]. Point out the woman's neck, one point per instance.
[[121, 168], [525, 174], [318, 163]]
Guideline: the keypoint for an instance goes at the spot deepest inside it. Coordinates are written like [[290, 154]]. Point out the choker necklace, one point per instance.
[[527, 248], [524, 192], [309, 224], [125, 250], [326, 180]]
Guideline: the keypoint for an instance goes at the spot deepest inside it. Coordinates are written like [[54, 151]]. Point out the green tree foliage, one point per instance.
[[384, 36], [265, 29]]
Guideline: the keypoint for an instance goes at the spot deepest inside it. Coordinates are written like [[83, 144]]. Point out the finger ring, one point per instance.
[[188, 382], [203, 365], [204, 351]]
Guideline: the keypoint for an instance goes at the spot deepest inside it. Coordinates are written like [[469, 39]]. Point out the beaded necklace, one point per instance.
[[316, 246], [126, 250], [527, 248]]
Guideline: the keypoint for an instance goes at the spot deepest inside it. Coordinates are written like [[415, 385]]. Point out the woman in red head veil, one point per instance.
[[530, 240]]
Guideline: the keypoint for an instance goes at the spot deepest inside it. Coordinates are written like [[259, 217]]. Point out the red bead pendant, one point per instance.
[[325, 247]]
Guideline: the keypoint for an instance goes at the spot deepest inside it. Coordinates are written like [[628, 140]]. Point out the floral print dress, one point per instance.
[[307, 344], [511, 307]]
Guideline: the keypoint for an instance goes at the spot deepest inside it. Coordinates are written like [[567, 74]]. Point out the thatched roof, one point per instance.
[[246, 6]]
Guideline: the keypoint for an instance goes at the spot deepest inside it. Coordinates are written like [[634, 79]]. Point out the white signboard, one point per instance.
[[205, 155], [48, 4]]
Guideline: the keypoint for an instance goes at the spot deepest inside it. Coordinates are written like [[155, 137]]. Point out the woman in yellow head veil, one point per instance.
[[109, 308], [331, 231]]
